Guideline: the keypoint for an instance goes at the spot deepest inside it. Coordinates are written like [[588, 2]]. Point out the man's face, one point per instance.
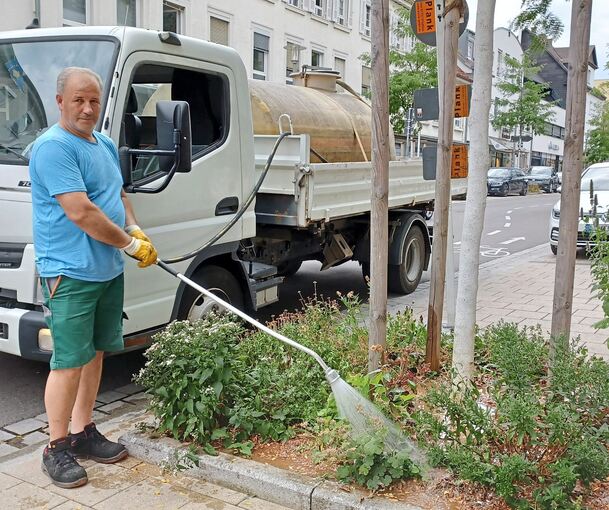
[[80, 105]]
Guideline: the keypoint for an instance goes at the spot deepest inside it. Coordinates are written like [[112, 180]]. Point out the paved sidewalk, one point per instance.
[[517, 288], [520, 288]]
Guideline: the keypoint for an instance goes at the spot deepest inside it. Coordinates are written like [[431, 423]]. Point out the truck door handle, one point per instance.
[[227, 205]]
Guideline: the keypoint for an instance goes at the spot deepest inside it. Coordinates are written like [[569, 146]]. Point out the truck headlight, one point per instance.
[[555, 213]]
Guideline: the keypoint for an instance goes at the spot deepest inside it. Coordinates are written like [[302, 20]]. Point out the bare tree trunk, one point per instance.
[[447, 36], [581, 14], [379, 219], [473, 222]]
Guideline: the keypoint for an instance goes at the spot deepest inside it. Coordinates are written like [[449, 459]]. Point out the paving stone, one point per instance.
[[110, 396], [209, 489], [151, 495], [25, 426], [27, 469], [72, 505], [6, 449], [42, 417], [104, 481], [35, 438], [130, 389], [7, 481], [137, 397], [26, 496], [210, 504], [5, 436], [110, 408], [260, 504]]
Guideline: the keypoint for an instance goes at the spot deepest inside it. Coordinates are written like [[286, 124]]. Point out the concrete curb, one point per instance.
[[261, 480]]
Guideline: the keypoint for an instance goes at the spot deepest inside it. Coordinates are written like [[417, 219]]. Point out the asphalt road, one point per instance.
[[512, 224]]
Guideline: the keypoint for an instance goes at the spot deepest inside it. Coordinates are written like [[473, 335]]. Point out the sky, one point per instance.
[[506, 10]]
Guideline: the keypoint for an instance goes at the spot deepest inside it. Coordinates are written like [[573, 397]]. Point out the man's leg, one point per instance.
[[82, 410], [59, 397]]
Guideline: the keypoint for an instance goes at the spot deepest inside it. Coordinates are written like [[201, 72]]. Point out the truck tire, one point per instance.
[[404, 278], [216, 279]]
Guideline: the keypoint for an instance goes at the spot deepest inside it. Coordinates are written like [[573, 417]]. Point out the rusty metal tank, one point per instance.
[[339, 123]]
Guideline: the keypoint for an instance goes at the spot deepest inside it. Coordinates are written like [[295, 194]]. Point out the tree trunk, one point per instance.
[[447, 36], [379, 219], [475, 205], [581, 14]]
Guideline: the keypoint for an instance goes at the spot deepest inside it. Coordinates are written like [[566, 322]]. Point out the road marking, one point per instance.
[[513, 240], [507, 225], [508, 218], [509, 212], [493, 232], [457, 243], [488, 251]]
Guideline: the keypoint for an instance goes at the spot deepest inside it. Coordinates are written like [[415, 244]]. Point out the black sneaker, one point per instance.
[[91, 444], [61, 466]]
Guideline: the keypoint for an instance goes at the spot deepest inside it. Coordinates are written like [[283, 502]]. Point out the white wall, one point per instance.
[[275, 18]]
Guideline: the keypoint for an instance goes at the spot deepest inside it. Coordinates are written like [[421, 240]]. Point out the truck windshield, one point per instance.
[[28, 74]]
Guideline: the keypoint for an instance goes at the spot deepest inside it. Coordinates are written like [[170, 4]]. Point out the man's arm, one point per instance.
[[129, 213], [89, 218]]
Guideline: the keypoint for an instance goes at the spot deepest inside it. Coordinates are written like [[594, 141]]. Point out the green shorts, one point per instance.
[[84, 317]]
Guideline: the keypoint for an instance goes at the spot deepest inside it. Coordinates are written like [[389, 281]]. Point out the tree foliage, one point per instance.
[[598, 137], [522, 106], [536, 17], [409, 71]]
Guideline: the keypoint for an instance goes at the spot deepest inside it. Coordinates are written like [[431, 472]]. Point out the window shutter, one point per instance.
[[218, 30], [334, 11], [362, 16], [349, 12], [261, 42], [307, 5]]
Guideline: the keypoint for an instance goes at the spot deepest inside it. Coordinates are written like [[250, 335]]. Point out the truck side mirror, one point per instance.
[[174, 146], [173, 128]]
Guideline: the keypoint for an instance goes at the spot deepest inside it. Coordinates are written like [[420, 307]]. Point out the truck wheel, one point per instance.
[[404, 278], [216, 279], [554, 249], [289, 268]]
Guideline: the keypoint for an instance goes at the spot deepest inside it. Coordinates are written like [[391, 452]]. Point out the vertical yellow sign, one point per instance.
[[426, 16], [458, 167], [461, 101]]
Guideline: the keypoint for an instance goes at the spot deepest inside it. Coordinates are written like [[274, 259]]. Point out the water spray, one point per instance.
[[352, 406]]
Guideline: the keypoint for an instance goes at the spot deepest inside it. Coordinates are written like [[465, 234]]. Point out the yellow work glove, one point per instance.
[[137, 232], [142, 251]]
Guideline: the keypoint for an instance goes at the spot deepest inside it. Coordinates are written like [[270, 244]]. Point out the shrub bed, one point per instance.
[[537, 441]]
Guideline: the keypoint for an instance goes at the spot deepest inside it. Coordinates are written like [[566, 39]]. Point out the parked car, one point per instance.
[[546, 177], [597, 177], [505, 180]]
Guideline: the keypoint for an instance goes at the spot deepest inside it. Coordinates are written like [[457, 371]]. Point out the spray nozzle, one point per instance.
[[332, 376]]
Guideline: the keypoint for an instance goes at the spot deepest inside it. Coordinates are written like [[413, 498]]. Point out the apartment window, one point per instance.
[[340, 11], [366, 80], [317, 58], [292, 63], [506, 133], [261, 56], [74, 12], [340, 65], [126, 12], [366, 17], [459, 123], [319, 6], [173, 17], [499, 61], [295, 3], [470, 48], [218, 30]]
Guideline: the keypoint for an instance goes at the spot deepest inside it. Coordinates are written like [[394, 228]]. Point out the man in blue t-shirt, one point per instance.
[[82, 219]]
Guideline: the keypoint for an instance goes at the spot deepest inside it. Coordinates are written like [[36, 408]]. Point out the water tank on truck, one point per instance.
[[339, 123]]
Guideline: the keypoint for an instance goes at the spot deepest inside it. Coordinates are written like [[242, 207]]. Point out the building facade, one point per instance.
[[273, 37]]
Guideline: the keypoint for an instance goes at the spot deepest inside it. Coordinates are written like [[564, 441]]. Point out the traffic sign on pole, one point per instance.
[[423, 21]]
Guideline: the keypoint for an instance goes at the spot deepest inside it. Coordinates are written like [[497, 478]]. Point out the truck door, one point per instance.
[[196, 204]]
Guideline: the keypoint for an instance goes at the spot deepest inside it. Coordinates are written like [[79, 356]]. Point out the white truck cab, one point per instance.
[[309, 206]]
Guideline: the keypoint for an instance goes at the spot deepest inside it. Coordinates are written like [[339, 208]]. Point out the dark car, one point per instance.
[[505, 180], [546, 177]]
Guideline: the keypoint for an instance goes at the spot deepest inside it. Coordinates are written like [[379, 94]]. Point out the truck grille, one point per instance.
[[11, 255], [3, 330]]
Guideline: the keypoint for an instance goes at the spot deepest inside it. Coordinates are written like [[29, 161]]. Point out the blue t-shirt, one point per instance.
[[62, 163]]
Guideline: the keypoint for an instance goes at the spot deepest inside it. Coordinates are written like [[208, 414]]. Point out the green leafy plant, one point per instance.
[[366, 463], [189, 372], [529, 437]]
